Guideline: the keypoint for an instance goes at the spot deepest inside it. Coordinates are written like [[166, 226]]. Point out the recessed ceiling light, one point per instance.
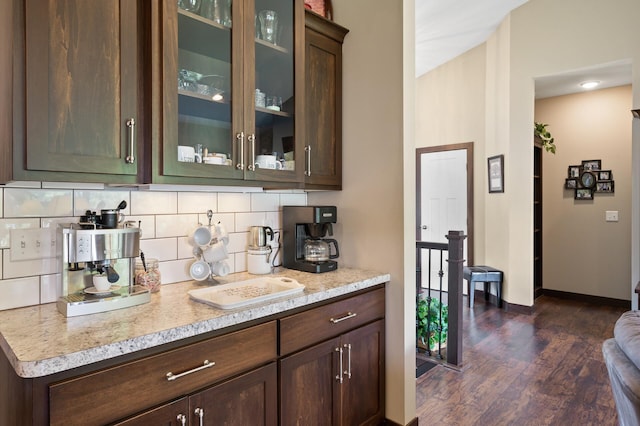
[[589, 84]]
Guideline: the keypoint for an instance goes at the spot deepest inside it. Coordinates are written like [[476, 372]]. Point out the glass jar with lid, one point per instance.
[[150, 277]]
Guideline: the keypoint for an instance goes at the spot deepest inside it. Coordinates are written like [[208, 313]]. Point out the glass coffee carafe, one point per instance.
[[319, 250]]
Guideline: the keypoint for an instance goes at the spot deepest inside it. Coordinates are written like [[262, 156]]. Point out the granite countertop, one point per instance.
[[39, 340]]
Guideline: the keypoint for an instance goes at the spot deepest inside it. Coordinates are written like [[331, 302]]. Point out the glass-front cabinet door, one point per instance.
[[229, 95]]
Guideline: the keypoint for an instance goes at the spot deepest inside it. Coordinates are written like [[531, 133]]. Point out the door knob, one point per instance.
[[424, 227]]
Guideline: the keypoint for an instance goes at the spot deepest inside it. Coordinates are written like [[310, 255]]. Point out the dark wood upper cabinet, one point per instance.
[[107, 91], [210, 71], [80, 67], [323, 102]]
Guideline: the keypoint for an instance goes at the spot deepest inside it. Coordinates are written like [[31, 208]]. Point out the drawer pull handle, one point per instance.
[[346, 317], [131, 124], [206, 364]]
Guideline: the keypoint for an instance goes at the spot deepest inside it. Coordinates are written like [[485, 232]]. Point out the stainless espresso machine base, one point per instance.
[[79, 303]]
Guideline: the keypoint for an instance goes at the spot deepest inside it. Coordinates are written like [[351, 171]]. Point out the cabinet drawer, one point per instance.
[[315, 325], [114, 393]]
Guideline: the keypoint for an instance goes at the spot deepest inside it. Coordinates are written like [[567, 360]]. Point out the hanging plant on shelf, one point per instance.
[[540, 130]]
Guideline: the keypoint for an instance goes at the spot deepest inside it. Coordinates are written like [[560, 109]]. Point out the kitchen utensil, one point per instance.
[[101, 283], [220, 269], [259, 236], [200, 236], [215, 252], [199, 270]]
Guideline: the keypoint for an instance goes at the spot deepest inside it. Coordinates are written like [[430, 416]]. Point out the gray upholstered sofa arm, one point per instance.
[[622, 356]]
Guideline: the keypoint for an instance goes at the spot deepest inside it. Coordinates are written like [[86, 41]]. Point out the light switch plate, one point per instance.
[[611, 215], [33, 243]]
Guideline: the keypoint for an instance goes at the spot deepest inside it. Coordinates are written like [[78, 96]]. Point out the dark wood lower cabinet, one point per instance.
[[337, 382], [250, 399], [323, 365]]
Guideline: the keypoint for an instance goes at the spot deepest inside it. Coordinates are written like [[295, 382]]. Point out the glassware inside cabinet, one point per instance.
[[274, 85], [204, 83]]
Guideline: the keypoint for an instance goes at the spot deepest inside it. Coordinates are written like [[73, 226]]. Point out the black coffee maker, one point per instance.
[[305, 247]]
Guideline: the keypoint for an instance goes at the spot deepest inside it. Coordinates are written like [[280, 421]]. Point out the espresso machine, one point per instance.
[[305, 247], [86, 252]]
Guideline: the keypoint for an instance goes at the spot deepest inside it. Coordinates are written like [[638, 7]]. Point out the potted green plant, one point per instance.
[[540, 130], [432, 322]]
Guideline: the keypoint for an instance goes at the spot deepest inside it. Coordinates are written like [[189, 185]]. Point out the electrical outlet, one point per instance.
[[33, 243], [611, 215]]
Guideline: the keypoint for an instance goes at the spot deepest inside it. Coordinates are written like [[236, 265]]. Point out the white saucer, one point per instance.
[[93, 290]]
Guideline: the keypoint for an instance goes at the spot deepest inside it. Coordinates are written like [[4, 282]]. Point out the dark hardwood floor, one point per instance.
[[540, 369]]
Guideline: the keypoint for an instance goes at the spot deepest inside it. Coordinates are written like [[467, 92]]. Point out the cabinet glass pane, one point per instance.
[[204, 82], [274, 84]]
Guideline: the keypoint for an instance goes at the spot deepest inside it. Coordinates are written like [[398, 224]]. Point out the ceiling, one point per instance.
[[448, 28]]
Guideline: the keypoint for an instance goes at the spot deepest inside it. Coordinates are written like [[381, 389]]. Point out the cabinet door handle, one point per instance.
[[252, 139], [240, 139], [339, 376], [348, 370], [346, 317], [171, 377], [307, 149], [200, 413], [182, 419], [131, 124]]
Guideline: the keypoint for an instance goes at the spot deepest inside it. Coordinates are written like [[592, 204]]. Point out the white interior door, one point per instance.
[[443, 202]]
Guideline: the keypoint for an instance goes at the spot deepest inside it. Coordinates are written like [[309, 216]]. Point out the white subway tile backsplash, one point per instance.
[[160, 248], [238, 242], [19, 292], [175, 225], [27, 268], [266, 202], [52, 222], [197, 202], [50, 288], [234, 202], [165, 218], [240, 262], [293, 199], [185, 250], [21, 202], [6, 225], [147, 225], [154, 202], [245, 220], [175, 271], [95, 201]]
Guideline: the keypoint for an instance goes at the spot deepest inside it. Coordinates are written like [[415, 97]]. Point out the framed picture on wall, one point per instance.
[[574, 171], [605, 186], [571, 183], [605, 175], [583, 194], [591, 165], [495, 169]]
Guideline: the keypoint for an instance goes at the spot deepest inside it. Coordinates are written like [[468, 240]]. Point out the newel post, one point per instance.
[[456, 264]]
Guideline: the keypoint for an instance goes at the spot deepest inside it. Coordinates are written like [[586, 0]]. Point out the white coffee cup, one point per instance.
[[220, 269], [215, 252], [200, 236], [199, 270], [101, 283], [268, 162]]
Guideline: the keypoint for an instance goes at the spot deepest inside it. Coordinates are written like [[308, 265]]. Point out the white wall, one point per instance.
[[371, 206], [542, 37]]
